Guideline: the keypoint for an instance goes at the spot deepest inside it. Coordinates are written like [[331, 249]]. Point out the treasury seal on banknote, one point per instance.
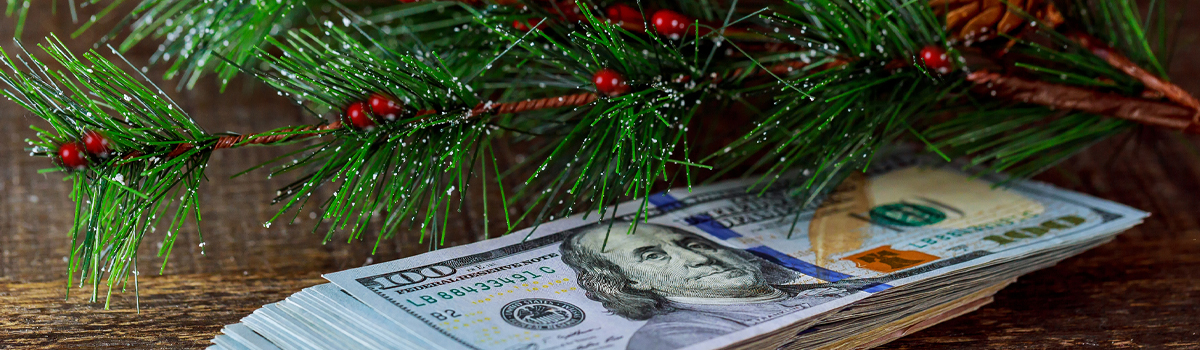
[[541, 314]]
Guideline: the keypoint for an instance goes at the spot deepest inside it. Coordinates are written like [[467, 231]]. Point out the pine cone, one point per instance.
[[979, 20]]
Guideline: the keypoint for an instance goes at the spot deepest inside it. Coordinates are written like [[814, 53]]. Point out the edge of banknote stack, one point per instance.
[[906, 245]]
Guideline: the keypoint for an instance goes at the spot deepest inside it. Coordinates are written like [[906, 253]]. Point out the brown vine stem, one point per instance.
[[1144, 111], [1149, 112], [307, 131], [1170, 91], [578, 99], [1181, 113]]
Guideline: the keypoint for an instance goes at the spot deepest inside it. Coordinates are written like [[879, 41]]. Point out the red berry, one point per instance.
[[96, 144], [385, 107], [611, 83], [624, 13], [670, 23], [935, 58], [356, 114], [407, 1], [570, 10], [71, 155]]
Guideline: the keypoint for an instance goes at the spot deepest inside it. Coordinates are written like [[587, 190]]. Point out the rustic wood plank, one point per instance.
[[176, 311]]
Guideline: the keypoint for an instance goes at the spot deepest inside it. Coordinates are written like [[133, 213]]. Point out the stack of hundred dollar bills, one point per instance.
[[889, 252]]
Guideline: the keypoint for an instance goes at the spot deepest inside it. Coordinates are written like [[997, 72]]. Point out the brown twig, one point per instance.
[[232, 141], [579, 99], [1067, 97], [536, 104], [1170, 91]]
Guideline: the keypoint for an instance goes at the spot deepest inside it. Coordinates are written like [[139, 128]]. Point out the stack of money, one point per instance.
[[890, 251]]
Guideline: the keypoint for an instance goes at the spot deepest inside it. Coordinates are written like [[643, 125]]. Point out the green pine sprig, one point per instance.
[[833, 117], [831, 121], [119, 199], [614, 149], [406, 168], [199, 37]]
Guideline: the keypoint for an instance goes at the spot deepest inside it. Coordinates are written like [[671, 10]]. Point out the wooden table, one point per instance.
[[1141, 290]]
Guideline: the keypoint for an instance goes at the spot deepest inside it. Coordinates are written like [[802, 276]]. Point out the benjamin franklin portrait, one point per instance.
[[689, 289]]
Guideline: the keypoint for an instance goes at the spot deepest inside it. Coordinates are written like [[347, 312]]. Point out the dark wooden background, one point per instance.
[[1142, 290]]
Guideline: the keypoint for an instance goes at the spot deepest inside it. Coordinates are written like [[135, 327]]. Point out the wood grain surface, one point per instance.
[[1142, 290]]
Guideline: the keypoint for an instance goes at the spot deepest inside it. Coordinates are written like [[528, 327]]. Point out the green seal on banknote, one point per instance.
[[906, 214]]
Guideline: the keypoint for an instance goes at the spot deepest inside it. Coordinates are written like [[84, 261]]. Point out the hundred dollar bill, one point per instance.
[[716, 266]]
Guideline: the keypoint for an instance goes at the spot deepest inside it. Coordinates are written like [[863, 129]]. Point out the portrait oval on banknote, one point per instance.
[[541, 314]]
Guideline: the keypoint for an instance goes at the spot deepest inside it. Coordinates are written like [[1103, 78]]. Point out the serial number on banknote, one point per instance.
[[1010, 236], [517, 278]]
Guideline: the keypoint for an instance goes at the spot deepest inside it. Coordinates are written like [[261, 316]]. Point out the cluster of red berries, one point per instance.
[[77, 155], [377, 108], [670, 23]]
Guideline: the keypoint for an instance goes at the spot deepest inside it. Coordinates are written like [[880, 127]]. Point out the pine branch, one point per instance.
[[340, 72], [866, 34], [204, 36], [159, 154], [118, 202]]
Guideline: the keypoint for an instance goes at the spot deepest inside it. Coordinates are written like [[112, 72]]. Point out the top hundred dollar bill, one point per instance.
[[716, 265]]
